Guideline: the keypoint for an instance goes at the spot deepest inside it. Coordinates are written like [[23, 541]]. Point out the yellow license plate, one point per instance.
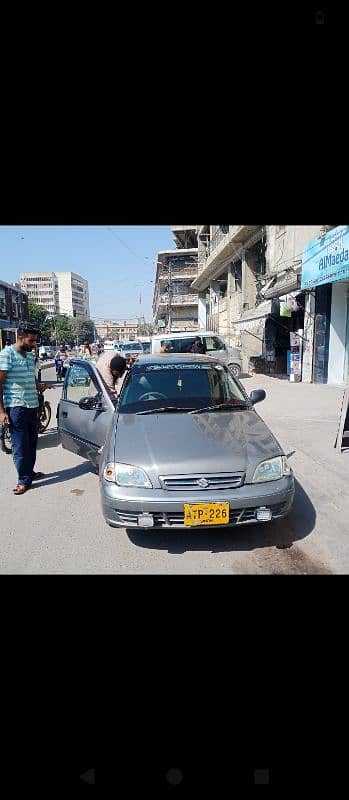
[[206, 514]]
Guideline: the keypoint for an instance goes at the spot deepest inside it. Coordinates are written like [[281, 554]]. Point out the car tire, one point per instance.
[[235, 369]]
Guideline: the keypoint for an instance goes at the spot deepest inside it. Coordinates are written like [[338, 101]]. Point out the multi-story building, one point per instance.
[[73, 295], [42, 288], [124, 331], [231, 261], [59, 292], [175, 304], [250, 291], [13, 309]]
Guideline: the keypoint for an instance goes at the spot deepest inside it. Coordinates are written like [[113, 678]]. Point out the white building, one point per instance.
[[59, 292]]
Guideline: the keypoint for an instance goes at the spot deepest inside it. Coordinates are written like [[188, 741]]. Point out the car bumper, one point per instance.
[[122, 511]]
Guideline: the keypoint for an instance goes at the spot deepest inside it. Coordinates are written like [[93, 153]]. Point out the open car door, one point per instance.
[[85, 412]]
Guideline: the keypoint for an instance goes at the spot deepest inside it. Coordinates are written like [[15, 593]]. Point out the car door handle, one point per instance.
[[64, 413]]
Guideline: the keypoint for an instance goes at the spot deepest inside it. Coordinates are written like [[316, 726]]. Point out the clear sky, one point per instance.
[[116, 260]]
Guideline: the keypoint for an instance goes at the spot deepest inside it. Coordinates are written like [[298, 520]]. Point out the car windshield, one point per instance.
[[187, 386]]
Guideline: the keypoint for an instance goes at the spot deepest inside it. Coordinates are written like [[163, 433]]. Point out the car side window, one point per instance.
[[79, 384], [186, 345], [214, 343]]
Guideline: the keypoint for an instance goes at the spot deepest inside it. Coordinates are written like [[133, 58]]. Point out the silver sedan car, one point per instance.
[[183, 448]]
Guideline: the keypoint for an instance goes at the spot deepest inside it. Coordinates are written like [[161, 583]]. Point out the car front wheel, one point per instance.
[[235, 370]]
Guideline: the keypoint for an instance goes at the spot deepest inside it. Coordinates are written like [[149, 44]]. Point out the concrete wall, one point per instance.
[[284, 248], [339, 311]]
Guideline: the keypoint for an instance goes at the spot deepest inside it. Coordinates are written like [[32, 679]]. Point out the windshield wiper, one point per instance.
[[162, 410], [221, 407]]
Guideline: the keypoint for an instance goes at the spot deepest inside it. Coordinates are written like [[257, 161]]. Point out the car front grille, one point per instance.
[[221, 480], [174, 519]]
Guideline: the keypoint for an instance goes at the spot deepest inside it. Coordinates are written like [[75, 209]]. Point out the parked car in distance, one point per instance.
[[128, 349], [111, 344], [213, 345], [182, 448]]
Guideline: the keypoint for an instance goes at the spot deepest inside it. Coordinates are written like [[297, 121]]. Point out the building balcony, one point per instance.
[[187, 272], [163, 302], [222, 246], [185, 235]]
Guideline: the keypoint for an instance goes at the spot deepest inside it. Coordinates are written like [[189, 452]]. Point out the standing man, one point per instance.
[[113, 370], [19, 403]]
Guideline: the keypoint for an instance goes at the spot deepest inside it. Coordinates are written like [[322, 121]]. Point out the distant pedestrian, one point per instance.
[[19, 404], [87, 351]]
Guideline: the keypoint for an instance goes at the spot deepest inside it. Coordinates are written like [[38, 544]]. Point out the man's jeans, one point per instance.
[[24, 436]]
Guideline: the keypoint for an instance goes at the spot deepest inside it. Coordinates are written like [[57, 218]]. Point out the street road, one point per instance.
[[58, 526]]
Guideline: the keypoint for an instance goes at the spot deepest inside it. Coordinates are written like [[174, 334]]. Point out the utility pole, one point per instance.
[[169, 295]]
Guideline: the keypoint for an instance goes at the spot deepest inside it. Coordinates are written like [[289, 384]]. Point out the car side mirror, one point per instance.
[[257, 396], [91, 404]]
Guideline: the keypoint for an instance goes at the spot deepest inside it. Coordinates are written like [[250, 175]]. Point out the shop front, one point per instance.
[[325, 273]]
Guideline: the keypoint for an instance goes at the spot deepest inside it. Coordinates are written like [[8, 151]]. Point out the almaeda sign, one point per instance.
[[326, 260]]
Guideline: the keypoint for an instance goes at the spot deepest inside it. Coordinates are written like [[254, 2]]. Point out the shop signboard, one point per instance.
[[296, 356], [326, 260]]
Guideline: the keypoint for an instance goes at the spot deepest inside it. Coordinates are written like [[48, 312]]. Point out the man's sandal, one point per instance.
[[21, 488]]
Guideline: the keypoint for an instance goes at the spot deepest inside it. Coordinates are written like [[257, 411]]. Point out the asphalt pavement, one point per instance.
[[58, 526]]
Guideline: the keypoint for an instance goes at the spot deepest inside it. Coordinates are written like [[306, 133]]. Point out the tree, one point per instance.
[[83, 329], [147, 329], [38, 318], [62, 329]]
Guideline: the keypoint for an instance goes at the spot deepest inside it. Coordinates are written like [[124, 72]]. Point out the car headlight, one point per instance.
[[126, 475], [272, 470]]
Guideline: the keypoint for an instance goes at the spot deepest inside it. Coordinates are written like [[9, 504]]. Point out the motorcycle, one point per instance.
[[44, 419], [61, 368]]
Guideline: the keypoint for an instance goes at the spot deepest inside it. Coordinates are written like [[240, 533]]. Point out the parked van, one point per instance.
[[213, 345]]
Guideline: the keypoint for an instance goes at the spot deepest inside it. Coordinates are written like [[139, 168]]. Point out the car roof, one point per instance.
[[189, 334], [175, 358]]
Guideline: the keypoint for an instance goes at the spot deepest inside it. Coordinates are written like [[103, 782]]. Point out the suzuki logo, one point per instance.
[[203, 483]]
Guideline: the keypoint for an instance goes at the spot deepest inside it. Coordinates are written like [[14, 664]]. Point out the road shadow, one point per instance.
[[63, 475], [280, 534], [48, 439]]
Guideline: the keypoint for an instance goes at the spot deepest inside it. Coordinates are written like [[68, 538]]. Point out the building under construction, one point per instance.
[[175, 305]]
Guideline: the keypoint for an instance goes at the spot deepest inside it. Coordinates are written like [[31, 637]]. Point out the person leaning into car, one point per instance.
[[113, 370]]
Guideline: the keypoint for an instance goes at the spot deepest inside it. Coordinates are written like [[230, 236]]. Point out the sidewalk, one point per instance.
[[305, 418]]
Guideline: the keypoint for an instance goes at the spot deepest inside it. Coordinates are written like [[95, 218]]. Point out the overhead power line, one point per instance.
[[142, 259]]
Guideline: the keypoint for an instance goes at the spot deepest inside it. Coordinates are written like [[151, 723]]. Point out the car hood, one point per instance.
[[183, 444]]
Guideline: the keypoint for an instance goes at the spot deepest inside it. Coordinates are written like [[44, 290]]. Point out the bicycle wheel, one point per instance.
[[45, 417]]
